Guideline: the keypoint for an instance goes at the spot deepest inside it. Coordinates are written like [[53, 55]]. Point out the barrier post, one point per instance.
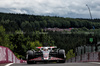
[[7, 55]]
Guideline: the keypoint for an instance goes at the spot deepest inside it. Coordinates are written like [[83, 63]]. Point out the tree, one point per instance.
[[26, 26], [20, 43], [33, 26], [70, 54], [46, 40], [10, 26], [58, 24], [37, 25], [35, 44], [43, 24], [2, 35], [4, 39], [65, 24]]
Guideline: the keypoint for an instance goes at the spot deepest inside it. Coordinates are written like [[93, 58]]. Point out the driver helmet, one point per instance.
[[45, 49]]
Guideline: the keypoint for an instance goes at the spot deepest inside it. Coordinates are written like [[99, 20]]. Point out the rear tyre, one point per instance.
[[30, 55], [31, 62], [61, 54], [61, 61]]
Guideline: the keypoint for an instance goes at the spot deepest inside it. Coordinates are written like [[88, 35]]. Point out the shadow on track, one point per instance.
[[42, 63]]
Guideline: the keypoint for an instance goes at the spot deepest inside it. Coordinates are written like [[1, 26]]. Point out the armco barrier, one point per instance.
[[84, 57], [78, 58], [88, 57], [7, 56], [96, 56], [73, 59]]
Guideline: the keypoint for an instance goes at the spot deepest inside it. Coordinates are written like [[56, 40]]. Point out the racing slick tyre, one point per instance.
[[61, 54], [29, 62], [30, 55]]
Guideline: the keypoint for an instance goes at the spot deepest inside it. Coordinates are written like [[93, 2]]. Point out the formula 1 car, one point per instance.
[[46, 54]]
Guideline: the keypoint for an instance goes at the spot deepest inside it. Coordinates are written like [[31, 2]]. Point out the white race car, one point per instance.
[[46, 54]]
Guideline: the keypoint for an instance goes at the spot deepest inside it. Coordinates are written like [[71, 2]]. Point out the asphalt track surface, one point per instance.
[[59, 64]]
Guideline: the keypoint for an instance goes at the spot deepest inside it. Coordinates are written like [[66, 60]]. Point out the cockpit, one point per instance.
[[45, 49]]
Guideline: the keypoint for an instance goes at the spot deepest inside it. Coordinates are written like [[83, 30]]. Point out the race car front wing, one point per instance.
[[40, 59]]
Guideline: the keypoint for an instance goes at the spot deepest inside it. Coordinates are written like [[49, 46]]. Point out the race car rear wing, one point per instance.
[[51, 47], [47, 47]]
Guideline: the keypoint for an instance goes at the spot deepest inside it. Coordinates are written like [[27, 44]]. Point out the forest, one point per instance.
[[21, 32]]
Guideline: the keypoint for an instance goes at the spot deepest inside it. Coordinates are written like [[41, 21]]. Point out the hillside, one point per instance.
[[28, 23], [21, 32]]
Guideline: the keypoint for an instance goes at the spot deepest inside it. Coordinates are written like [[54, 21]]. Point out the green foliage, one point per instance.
[[2, 35], [20, 43], [70, 54], [35, 44], [18, 56], [26, 26], [29, 23], [4, 39]]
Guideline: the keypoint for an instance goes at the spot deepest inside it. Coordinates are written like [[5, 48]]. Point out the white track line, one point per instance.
[[9, 64], [95, 62]]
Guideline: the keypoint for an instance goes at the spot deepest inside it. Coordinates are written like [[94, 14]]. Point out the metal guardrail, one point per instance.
[[7, 56], [88, 57]]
